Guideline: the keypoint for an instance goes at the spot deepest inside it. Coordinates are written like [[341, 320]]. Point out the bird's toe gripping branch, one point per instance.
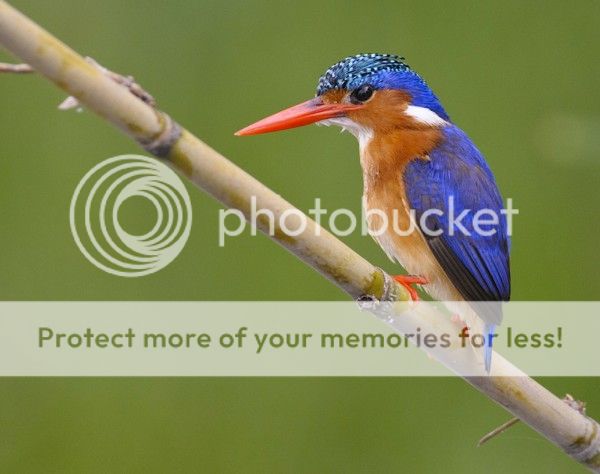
[[408, 280]]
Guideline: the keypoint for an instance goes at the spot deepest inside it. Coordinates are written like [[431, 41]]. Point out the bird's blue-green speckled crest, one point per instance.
[[349, 72]]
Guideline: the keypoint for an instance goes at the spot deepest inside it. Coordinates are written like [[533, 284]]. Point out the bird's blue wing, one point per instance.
[[456, 178]]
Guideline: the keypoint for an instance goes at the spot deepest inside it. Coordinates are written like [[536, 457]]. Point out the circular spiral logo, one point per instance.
[[94, 215]]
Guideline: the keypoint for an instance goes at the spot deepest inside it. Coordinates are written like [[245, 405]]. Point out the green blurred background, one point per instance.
[[520, 77]]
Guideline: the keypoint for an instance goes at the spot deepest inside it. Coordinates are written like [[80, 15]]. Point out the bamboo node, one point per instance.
[[161, 144]]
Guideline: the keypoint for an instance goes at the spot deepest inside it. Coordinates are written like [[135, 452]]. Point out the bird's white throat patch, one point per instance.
[[425, 115], [363, 134]]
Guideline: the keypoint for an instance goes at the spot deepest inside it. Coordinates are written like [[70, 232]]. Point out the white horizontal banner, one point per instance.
[[293, 339]]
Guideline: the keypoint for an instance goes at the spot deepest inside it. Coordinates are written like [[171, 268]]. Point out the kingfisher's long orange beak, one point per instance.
[[308, 112]]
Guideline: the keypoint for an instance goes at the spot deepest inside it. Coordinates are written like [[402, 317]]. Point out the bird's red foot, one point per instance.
[[407, 280]]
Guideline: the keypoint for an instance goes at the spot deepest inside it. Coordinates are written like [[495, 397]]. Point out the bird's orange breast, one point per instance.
[[389, 215]]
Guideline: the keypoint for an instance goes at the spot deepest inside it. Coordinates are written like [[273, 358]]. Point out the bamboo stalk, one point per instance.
[[572, 431]]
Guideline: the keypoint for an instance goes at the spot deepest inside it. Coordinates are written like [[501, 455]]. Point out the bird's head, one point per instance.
[[365, 94]]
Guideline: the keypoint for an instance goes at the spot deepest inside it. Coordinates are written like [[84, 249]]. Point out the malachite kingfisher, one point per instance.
[[416, 165]]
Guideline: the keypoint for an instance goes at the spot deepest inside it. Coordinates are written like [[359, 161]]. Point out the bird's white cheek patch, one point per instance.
[[424, 115]]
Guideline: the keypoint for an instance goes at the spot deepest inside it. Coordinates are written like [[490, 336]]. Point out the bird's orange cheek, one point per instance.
[[369, 117], [364, 115]]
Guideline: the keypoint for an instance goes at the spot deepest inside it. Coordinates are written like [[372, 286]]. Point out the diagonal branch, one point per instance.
[[563, 425]]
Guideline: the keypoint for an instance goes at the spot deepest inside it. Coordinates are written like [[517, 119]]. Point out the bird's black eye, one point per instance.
[[362, 94]]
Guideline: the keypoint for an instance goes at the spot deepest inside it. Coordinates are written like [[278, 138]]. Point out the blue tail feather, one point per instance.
[[488, 349]]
